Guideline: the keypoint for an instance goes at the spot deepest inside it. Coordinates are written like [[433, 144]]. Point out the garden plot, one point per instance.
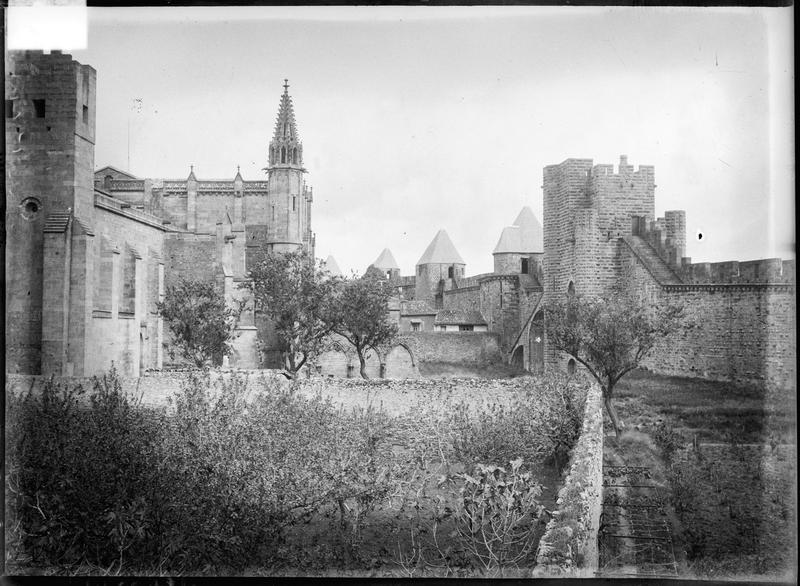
[[239, 478], [725, 456]]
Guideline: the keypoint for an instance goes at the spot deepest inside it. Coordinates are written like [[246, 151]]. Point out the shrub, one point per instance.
[[497, 515], [78, 472], [540, 426], [667, 439]]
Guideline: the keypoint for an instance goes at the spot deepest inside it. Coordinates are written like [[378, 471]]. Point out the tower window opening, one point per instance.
[[524, 269], [294, 203], [283, 154], [9, 108], [85, 114], [39, 107], [294, 156], [450, 272], [273, 213]]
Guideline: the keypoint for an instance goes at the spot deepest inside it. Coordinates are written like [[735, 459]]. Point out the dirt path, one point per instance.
[[635, 534]]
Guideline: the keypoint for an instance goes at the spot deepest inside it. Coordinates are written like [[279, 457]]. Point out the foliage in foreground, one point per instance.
[[97, 483]]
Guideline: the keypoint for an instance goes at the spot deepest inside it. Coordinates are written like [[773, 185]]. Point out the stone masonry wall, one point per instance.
[[742, 332], [473, 348], [49, 147], [568, 548]]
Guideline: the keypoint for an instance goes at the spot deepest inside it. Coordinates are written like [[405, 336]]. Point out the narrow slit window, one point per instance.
[[86, 114], [273, 213], [39, 107], [294, 203], [9, 108]]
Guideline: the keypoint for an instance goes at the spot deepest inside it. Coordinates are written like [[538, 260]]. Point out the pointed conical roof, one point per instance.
[[386, 261], [332, 266], [285, 126], [531, 234], [510, 240], [191, 176], [524, 236], [238, 174], [440, 251]]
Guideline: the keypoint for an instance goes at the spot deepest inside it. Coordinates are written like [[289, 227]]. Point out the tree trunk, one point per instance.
[[612, 413], [363, 367]]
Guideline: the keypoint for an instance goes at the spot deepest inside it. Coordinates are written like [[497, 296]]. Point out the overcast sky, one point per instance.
[[416, 119]]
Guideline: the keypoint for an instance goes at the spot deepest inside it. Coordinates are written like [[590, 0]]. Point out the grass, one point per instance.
[[710, 411], [731, 481]]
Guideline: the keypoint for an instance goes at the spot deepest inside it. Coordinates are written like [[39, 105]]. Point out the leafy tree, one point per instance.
[[363, 314], [297, 295], [200, 319], [610, 336]]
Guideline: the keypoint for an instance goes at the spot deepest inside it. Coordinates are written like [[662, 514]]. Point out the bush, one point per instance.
[[78, 473], [667, 439], [97, 483], [540, 426]]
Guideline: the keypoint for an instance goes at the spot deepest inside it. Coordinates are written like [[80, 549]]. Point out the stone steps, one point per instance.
[[660, 270]]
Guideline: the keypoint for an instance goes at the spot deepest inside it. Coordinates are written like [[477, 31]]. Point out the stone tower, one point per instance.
[[289, 200], [438, 269], [50, 133], [387, 265]]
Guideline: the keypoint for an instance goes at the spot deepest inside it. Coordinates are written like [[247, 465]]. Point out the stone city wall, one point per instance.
[[569, 546]]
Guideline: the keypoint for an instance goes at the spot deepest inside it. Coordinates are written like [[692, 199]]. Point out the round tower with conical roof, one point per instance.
[[289, 205], [438, 269]]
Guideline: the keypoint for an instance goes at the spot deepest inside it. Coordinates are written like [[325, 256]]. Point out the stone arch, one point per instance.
[[518, 357], [333, 362], [400, 362]]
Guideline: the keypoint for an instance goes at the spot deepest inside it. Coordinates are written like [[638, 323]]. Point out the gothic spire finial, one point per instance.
[[285, 86]]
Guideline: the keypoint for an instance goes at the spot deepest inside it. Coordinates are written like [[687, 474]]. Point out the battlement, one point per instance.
[[667, 235], [768, 270]]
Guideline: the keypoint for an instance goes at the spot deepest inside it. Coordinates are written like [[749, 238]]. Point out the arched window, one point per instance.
[[294, 155], [571, 290], [283, 154]]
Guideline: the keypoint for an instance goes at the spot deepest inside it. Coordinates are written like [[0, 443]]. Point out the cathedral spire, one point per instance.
[[285, 147]]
